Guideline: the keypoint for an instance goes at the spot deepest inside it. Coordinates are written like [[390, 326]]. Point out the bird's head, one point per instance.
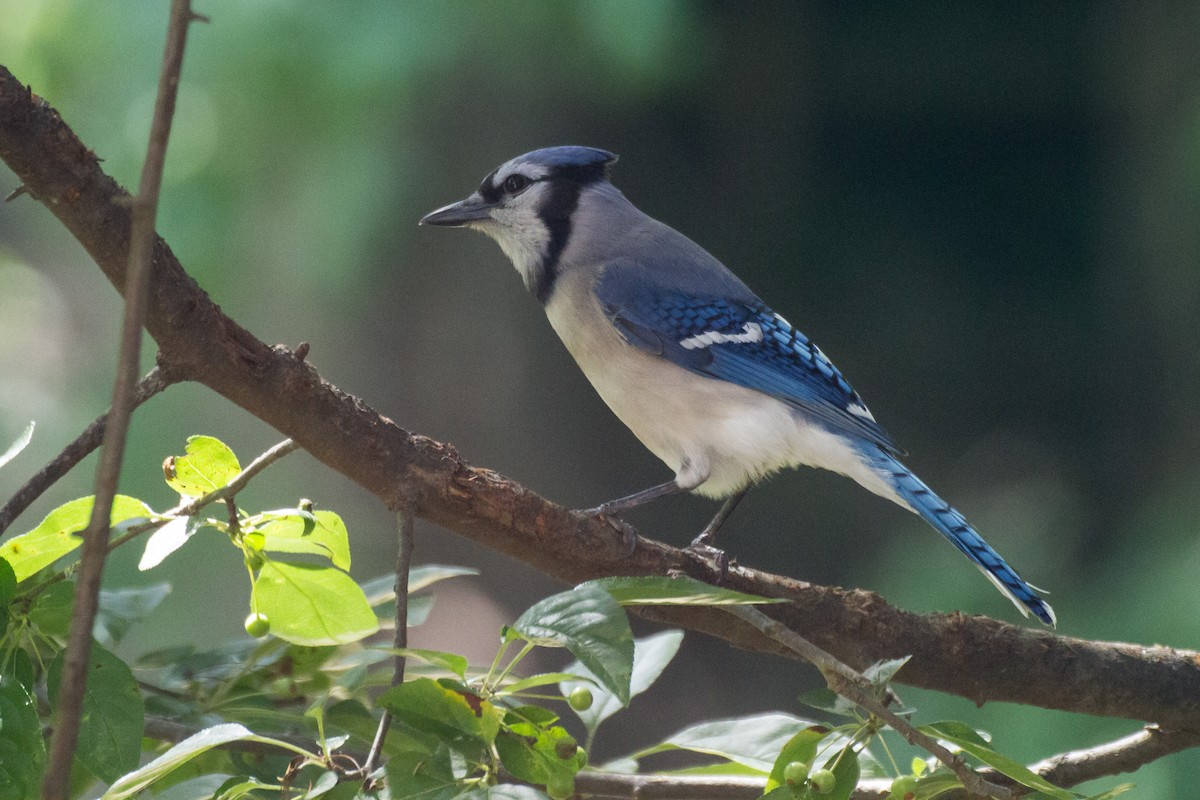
[[526, 205]]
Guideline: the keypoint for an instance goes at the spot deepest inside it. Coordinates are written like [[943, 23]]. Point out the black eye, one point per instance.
[[515, 183]]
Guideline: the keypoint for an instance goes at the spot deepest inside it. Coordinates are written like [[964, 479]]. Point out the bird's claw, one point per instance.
[[629, 537], [706, 553]]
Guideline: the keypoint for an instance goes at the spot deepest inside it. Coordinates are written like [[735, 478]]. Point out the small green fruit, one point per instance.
[[904, 787], [580, 758], [560, 786], [823, 781], [565, 747], [257, 624], [795, 773], [580, 698]]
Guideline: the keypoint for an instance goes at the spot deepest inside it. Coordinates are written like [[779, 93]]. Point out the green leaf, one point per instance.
[[1113, 792], [309, 604], [167, 539], [588, 622], [845, 768], [881, 672], [802, 747], [450, 712], [512, 791], [714, 768], [656, 590], [972, 743], [451, 662], [208, 466], [22, 441], [650, 657], [425, 575], [322, 534], [753, 740], [120, 608], [825, 699], [233, 789], [110, 735], [8, 590], [532, 714], [22, 750], [56, 535], [383, 589], [51, 610], [528, 752], [937, 783], [547, 678], [422, 776], [138, 781], [323, 784]]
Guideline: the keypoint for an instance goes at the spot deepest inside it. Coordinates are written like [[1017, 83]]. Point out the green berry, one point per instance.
[[580, 698], [904, 787], [795, 773], [823, 781], [257, 624], [565, 747], [561, 785], [580, 758]]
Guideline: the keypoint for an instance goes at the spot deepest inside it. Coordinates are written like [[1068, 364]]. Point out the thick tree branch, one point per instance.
[[977, 658]]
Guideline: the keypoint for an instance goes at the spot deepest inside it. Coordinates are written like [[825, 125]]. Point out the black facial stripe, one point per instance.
[[556, 215], [488, 190], [567, 183]]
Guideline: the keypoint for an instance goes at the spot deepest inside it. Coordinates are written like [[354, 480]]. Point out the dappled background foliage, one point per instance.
[[986, 215]]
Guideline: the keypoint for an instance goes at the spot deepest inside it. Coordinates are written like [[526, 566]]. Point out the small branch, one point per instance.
[[57, 779], [854, 687], [154, 382], [404, 527], [224, 494], [1114, 758], [191, 507]]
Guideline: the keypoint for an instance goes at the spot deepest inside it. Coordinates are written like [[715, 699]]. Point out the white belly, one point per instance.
[[718, 437]]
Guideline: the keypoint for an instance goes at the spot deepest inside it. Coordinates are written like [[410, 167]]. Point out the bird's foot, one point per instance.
[[702, 551], [629, 537]]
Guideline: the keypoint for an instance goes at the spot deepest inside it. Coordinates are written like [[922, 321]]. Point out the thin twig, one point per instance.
[[404, 526], [151, 384], [189, 508], [57, 780], [854, 687]]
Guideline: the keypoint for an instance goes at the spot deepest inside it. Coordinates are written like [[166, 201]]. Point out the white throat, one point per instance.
[[523, 237]]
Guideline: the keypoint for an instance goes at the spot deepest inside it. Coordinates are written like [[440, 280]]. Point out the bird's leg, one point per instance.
[[702, 546], [709, 534], [614, 507]]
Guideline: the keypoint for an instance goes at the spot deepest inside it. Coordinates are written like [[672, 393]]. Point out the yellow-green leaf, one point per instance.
[[56, 535], [310, 604], [208, 466]]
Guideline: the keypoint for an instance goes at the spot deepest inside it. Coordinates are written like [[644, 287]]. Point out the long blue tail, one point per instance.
[[951, 524]]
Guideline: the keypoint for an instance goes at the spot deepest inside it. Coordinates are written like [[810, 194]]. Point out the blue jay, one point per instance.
[[710, 379]]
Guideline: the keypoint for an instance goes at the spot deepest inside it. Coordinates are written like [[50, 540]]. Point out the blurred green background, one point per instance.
[[988, 215]]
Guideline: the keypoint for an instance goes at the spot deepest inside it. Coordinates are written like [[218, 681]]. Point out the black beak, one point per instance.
[[473, 209]]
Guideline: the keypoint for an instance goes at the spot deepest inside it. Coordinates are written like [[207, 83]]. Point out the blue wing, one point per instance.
[[737, 338]]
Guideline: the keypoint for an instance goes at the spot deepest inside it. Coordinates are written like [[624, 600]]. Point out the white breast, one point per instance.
[[717, 436]]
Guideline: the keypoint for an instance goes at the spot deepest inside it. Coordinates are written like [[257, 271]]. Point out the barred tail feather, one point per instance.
[[951, 524]]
